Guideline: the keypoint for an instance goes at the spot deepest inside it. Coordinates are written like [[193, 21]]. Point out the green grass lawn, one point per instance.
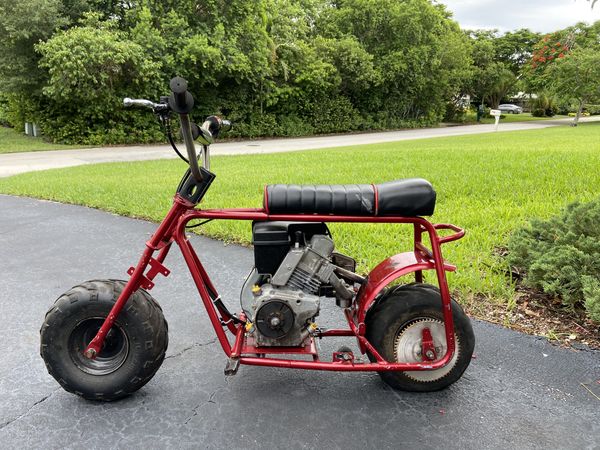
[[510, 118], [11, 141], [490, 184], [523, 117]]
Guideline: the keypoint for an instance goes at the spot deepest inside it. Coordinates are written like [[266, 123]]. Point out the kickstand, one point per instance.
[[232, 366]]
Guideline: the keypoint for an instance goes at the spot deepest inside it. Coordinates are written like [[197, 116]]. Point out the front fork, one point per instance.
[[160, 241]]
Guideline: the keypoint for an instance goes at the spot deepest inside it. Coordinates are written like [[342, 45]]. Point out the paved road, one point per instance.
[[14, 163], [519, 392]]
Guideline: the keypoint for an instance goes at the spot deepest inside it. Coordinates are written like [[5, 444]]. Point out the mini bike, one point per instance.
[[105, 339]]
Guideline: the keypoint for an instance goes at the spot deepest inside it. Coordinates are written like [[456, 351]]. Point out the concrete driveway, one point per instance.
[[14, 163], [519, 392]]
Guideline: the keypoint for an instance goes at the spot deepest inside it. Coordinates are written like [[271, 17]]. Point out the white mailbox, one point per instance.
[[496, 113]]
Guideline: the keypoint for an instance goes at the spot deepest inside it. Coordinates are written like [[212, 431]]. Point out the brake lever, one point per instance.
[[205, 137], [211, 127]]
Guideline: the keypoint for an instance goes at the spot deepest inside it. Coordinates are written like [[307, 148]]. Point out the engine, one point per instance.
[[294, 272]]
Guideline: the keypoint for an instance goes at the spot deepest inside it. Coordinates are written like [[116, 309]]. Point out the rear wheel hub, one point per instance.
[[408, 348]]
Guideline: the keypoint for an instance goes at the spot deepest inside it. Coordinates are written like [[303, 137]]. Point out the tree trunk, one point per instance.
[[494, 101], [579, 110]]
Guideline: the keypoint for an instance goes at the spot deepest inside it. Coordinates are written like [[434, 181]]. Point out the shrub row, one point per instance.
[[561, 256], [283, 68]]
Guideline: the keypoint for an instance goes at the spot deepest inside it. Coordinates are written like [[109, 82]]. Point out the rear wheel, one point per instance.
[[395, 327], [133, 349]]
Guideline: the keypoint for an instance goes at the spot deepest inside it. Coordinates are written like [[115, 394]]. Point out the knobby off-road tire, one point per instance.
[[394, 326], [133, 350]]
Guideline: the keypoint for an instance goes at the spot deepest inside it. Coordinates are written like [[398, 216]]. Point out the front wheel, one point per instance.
[[395, 325], [132, 352]]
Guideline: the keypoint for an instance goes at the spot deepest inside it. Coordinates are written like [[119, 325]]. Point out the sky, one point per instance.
[[537, 15]]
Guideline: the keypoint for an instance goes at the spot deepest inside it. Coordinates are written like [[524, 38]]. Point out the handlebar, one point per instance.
[[182, 102]]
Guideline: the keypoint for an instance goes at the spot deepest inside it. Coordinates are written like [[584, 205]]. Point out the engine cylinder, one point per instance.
[[304, 281]]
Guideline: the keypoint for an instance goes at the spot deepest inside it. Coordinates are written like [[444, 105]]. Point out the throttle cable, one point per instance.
[[167, 127]]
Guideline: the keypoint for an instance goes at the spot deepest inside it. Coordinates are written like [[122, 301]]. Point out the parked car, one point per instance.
[[512, 109]]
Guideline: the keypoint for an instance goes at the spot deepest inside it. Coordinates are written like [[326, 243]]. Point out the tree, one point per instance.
[[493, 82], [515, 48], [555, 46], [492, 78], [420, 56], [542, 74], [22, 24], [275, 66], [91, 67], [577, 77]]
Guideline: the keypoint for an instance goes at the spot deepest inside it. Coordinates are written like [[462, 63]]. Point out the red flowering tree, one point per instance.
[[550, 49], [565, 65]]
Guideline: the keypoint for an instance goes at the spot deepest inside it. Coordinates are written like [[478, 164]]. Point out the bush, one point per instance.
[[551, 111], [561, 256], [256, 125], [455, 112], [544, 106], [3, 111], [279, 67], [91, 68], [332, 115], [594, 110], [537, 112], [295, 126]]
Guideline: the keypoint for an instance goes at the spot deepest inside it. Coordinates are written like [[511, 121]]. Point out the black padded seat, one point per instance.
[[408, 198]]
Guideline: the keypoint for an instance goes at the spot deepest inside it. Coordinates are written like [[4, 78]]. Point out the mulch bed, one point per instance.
[[540, 314]]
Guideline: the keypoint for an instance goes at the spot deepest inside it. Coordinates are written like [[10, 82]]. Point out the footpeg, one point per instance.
[[232, 366], [344, 355]]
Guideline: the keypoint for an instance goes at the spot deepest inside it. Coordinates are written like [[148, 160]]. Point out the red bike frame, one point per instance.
[[243, 350]]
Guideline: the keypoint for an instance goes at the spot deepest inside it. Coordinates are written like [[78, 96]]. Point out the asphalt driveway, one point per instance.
[[519, 392]]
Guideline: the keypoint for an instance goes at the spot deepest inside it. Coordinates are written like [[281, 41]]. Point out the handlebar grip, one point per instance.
[[214, 125], [130, 102], [180, 100], [178, 85], [226, 125]]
